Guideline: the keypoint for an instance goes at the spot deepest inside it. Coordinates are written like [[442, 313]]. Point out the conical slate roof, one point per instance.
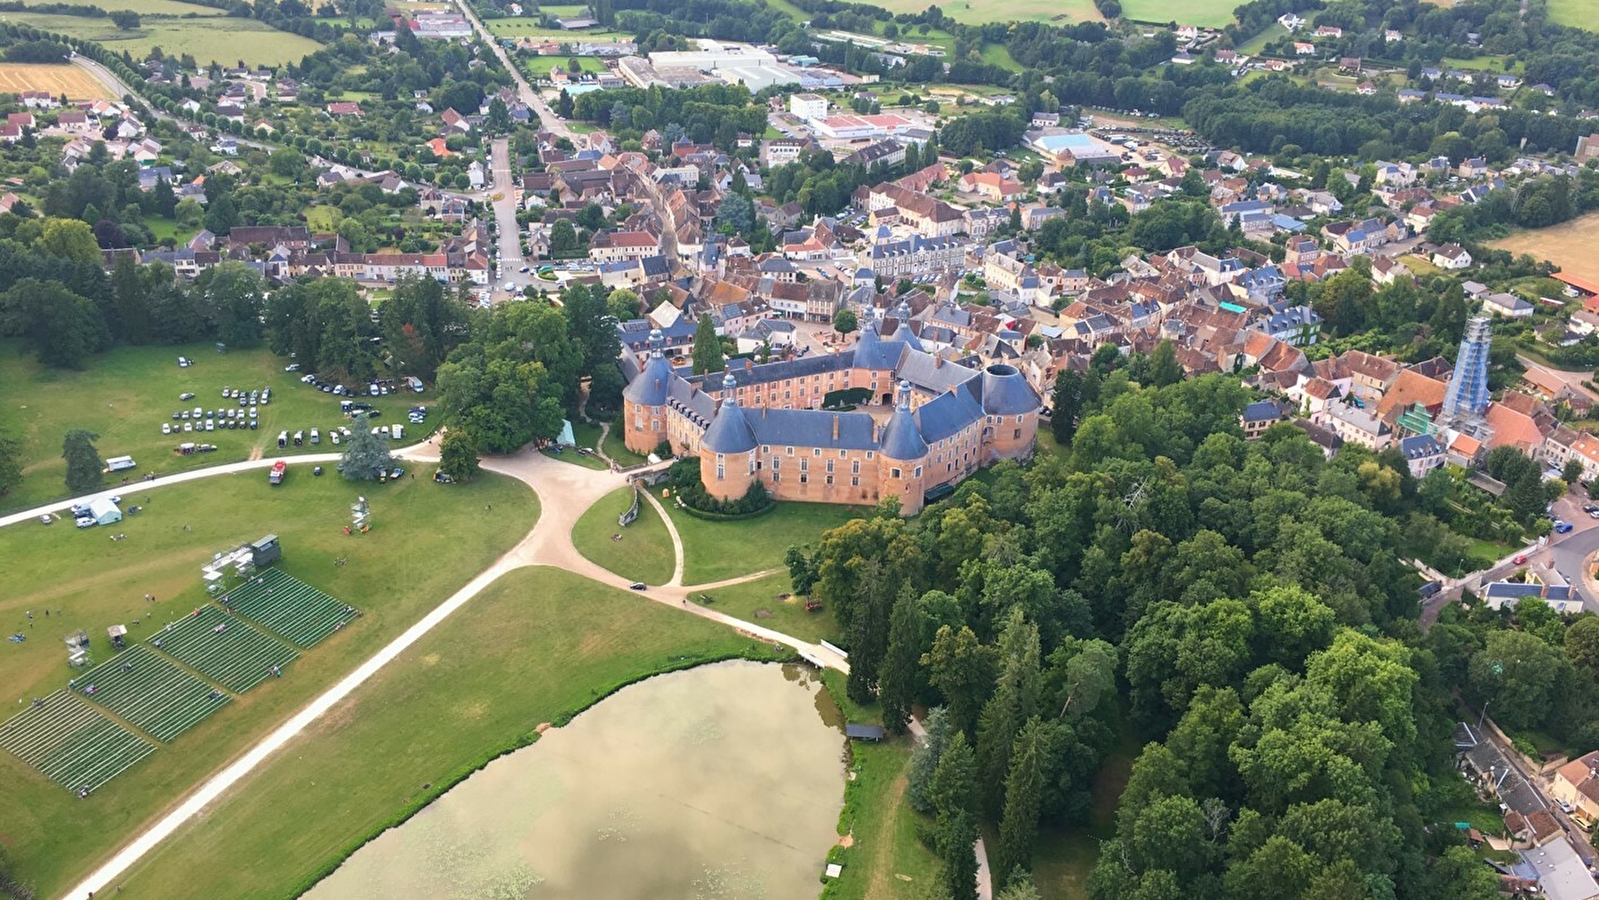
[[1006, 391], [902, 436], [651, 385], [730, 432]]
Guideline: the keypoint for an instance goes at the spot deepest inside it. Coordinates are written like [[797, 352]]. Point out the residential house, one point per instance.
[[1451, 256]]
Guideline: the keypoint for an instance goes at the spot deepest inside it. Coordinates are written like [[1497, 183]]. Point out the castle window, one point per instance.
[[1018, 420], [870, 454], [841, 454], [816, 451], [777, 464], [805, 465], [720, 472], [829, 479], [829, 465], [1018, 434], [918, 471], [893, 473], [854, 482], [790, 451], [804, 479], [855, 467]]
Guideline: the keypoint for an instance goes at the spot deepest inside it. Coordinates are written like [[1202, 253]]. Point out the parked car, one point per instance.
[[1519, 559], [637, 586], [292, 367], [183, 363], [186, 395], [46, 519], [1562, 527], [166, 427], [316, 436]]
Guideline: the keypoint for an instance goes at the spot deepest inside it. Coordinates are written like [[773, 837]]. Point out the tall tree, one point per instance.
[[1024, 795], [1164, 368], [1067, 405], [366, 455], [925, 759], [458, 455], [1014, 702], [955, 797], [85, 471], [707, 354], [63, 328], [962, 670], [900, 674]]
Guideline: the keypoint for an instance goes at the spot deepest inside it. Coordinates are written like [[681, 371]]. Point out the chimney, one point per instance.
[[938, 362], [835, 426], [749, 364]]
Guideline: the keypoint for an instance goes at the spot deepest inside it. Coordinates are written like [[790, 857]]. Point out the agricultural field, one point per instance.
[[73, 81], [1205, 13], [967, 12], [227, 40], [127, 394], [427, 541], [529, 27], [1575, 13], [477, 694], [148, 7], [1568, 245]]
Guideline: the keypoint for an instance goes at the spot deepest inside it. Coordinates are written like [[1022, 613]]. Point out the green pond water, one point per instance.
[[716, 783]]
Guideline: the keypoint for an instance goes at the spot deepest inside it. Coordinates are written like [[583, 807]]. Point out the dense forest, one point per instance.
[[1251, 603]]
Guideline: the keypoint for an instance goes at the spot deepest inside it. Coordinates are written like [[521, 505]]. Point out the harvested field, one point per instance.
[[1568, 245], [73, 81]]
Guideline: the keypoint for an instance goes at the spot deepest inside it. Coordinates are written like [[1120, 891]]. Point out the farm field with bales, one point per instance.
[[427, 541], [73, 81], [1568, 245], [227, 40], [130, 392]]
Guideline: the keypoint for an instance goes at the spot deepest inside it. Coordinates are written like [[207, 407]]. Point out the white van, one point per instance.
[[120, 464], [398, 431]]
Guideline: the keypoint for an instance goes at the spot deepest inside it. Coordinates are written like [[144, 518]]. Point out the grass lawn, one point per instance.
[[427, 541], [1575, 13], [1420, 266], [167, 228], [540, 66], [714, 551], [211, 38], [769, 602], [615, 446], [1484, 818], [1205, 13], [645, 551], [461, 696], [126, 395], [533, 28], [885, 859], [323, 218], [1257, 43], [1568, 245]]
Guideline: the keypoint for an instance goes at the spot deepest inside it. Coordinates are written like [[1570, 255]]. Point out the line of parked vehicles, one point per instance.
[[244, 415], [379, 388]]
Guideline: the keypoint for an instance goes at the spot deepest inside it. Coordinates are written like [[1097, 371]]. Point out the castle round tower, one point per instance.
[[902, 455], [727, 453]]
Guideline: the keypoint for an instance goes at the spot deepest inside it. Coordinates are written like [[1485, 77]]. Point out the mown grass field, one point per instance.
[[645, 551], [1205, 13], [127, 394], [1575, 13], [147, 7], [886, 860], [426, 542], [769, 601], [714, 551], [227, 40], [459, 697], [71, 80], [1568, 245]]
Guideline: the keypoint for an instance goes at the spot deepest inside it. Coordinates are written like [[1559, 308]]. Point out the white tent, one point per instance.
[[104, 511], [567, 438]]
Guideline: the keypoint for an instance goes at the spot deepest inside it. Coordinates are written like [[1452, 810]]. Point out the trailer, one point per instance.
[[276, 475]]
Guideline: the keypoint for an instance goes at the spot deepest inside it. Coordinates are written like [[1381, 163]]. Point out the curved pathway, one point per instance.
[[564, 490]]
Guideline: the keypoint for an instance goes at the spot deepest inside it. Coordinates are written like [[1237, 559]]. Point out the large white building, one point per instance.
[[808, 106]]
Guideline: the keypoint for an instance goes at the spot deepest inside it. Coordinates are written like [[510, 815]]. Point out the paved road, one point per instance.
[[531, 97], [565, 491], [510, 234], [111, 81]]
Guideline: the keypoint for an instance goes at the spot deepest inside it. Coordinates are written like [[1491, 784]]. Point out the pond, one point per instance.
[[723, 781]]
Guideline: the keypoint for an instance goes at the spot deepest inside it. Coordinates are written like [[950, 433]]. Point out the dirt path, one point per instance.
[[677, 542]]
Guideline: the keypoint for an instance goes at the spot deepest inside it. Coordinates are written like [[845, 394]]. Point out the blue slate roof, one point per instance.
[[812, 428], [1262, 411], [902, 437], [1420, 447], [946, 415], [652, 384]]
